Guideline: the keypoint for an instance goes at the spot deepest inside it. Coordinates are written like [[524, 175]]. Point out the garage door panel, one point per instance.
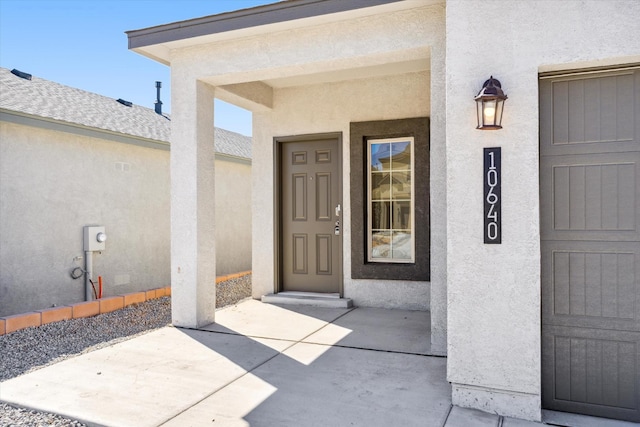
[[595, 114], [592, 284], [591, 197], [590, 243], [587, 368]]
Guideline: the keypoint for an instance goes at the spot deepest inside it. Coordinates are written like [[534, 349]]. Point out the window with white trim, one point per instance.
[[391, 200]]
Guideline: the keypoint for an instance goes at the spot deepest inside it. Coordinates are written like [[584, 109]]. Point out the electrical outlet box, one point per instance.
[[94, 238]]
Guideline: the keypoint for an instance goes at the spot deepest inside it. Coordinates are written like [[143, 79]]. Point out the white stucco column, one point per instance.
[[193, 261], [493, 358], [438, 189], [263, 214]]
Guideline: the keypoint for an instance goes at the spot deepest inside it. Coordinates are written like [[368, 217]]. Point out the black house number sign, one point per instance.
[[492, 196]]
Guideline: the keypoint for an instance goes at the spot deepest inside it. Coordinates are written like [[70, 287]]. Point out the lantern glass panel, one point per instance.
[[489, 112], [499, 109]]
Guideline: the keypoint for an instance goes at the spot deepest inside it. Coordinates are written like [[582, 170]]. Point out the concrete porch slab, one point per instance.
[[141, 382], [256, 319], [379, 329], [514, 422], [182, 377], [317, 385], [465, 417]]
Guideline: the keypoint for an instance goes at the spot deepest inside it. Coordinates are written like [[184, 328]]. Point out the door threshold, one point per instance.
[[328, 300]]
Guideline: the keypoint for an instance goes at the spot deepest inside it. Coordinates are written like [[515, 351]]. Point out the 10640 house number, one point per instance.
[[492, 196]]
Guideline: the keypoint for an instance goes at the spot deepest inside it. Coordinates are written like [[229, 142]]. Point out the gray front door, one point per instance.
[[590, 248], [311, 216]]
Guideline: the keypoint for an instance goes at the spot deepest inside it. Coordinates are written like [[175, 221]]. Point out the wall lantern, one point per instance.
[[490, 104]]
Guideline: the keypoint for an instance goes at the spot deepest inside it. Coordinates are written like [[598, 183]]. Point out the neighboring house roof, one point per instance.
[[232, 143], [54, 101]]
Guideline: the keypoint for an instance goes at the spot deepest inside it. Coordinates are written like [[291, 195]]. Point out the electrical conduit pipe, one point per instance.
[[88, 271]]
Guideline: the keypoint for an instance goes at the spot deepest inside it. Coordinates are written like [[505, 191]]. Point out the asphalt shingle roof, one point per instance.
[[51, 100], [232, 143]]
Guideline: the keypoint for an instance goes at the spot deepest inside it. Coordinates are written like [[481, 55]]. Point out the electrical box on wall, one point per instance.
[[94, 238]]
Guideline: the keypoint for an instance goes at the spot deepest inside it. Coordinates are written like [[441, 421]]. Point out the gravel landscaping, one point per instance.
[[33, 348]]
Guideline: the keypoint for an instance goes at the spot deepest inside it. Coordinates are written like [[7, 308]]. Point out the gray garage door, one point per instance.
[[590, 230]]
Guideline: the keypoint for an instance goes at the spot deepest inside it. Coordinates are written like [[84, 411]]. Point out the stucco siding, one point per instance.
[[494, 290], [330, 108], [438, 174], [233, 216], [54, 183], [484, 299], [263, 245], [361, 68]]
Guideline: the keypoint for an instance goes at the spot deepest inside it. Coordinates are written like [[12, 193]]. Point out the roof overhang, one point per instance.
[[157, 42]]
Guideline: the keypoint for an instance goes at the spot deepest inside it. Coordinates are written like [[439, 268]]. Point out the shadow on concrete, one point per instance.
[[259, 365], [365, 367]]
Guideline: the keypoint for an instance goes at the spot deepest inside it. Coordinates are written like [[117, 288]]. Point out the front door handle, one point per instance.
[[338, 210]]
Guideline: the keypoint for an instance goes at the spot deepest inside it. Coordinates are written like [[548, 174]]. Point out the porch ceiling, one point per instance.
[[255, 91], [331, 76]]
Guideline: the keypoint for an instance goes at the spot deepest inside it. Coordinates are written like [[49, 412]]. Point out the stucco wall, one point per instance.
[[356, 48], [53, 183], [330, 108], [233, 216], [494, 290]]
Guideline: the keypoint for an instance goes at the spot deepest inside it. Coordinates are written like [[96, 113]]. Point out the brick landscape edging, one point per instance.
[[79, 310], [36, 318], [56, 314], [22, 321], [232, 276]]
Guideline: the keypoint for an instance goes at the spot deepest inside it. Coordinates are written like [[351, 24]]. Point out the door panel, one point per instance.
[[591, 284], [310, 247], [590, 196], [590, 243], [593, 372], [299, 196], [324, 262]]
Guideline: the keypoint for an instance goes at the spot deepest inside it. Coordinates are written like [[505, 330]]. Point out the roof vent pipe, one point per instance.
[[158, 102]]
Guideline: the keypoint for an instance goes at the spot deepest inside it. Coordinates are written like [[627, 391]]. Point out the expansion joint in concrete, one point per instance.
[[446, 418]]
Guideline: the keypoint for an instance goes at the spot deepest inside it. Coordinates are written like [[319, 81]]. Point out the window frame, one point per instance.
[[359, 133], [370, 231]]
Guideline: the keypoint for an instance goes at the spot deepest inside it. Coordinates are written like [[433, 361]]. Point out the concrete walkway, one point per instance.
[[260, 365]]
